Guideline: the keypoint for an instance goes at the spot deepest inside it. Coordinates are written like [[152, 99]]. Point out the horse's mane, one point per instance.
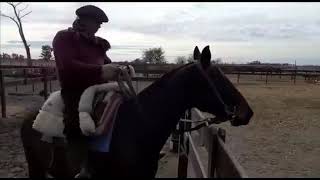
[[168, 75], [165, 78]]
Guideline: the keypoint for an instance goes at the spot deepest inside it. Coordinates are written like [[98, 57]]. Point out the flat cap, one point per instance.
[[91, 11]]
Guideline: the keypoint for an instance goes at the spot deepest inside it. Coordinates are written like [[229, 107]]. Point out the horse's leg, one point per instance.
[[59, 167], [37, 153]]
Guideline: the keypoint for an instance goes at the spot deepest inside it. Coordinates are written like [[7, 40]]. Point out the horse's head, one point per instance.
[[217, 95]]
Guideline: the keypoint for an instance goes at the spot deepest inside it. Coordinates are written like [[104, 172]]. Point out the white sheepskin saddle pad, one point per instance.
[[49, 120]]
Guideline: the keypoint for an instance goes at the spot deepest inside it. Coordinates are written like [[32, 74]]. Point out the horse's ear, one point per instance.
[[205, 57], [196, 53]]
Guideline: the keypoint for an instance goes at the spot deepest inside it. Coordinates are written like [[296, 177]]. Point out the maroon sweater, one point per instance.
[[78, 60]]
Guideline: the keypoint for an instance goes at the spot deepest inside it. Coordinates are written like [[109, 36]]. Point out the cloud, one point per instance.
[[204, 22], [236, 29], [19, 44]]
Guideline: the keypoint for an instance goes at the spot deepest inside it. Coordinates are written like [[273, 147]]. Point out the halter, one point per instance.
[[215, 91], [207, 121]]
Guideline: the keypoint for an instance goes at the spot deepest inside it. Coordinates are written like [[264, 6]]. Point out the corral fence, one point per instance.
[[203, 153], [44, 71], [30, 75]]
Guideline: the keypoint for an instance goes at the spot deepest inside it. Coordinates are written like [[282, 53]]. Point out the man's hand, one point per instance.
[[110, 72]]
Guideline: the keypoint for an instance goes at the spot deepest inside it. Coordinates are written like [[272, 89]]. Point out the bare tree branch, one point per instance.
[[25, 14], [17, 20], [12, 18], [11, 4], [18, 4], [19, 11]]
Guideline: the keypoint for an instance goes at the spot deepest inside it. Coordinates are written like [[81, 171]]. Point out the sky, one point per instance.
[[236, 32]]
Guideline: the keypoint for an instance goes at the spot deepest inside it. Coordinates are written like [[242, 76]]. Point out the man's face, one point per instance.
[[92, 25]]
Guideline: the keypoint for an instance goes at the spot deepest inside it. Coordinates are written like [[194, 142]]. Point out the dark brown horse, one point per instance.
[[144, 124]]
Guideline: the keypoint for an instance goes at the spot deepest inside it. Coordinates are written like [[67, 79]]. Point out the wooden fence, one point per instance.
[[46, 77], [148, 72], [203, 153]]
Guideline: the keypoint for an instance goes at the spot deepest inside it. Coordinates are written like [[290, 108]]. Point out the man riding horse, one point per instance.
[[143, 124], [81, 61]]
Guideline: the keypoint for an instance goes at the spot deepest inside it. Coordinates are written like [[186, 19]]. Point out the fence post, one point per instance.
[[25, 76], [184, 147], [182, 159], [175, 142], [212, 151], [45, 83], [238, 77], [295, 76], [267, 77], [305, 76], [3, 95], [222, 134], [50, 86], [32, 87], [280, 74]]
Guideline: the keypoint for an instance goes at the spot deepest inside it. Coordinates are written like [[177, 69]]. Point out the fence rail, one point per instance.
[[46, 77], [209, 142]]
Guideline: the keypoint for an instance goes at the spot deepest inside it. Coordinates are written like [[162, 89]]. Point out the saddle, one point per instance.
[[105, 99]]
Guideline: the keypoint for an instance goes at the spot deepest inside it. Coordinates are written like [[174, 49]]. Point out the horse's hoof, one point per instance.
[[83, 174]]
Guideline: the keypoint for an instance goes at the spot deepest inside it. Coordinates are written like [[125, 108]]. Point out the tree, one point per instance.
[[138, 61], [181, 60], [21, 57], [6, 56], [218, 61], [17, 18], [154, 56], [190, 58], [46, 52], [254, 62], [14, 56]]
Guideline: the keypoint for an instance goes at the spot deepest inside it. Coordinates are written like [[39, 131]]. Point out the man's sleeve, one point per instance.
[[65, 55]]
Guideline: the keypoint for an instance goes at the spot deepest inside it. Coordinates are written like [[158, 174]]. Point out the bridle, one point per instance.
[[131, 94], [209, 120]]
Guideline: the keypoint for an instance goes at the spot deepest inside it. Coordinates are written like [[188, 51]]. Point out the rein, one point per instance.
[[204, 122], [128, 93]]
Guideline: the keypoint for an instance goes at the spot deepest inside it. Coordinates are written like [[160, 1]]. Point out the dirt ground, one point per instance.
[[282, 139]]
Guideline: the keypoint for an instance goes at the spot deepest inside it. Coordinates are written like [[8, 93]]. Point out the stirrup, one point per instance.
[[84, 173]]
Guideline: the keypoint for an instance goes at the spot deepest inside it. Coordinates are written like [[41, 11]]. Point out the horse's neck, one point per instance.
[[162, 104], [167, 100]]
